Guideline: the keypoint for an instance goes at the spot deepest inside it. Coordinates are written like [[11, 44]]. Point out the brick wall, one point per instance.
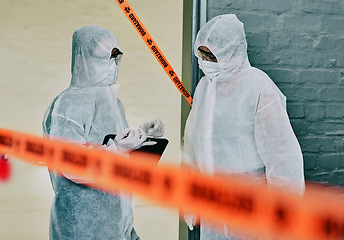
[[300, 45]]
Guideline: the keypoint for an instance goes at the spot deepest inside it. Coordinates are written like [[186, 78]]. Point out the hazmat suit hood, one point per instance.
[[91, 52], [224, 36], [89, 109]]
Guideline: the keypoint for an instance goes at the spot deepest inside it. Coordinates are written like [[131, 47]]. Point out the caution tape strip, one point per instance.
[[151, 44], [319, 215]]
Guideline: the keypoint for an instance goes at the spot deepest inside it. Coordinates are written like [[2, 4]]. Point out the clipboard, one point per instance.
[[155, 150]]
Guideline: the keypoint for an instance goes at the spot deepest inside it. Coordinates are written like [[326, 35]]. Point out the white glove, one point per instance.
[[154, 128], [112, 147], [128, 140], [190, 220]]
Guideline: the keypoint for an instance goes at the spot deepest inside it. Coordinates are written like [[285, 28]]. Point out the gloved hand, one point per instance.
[[190, 220], [112, 147], [128, 140], [154, 128]]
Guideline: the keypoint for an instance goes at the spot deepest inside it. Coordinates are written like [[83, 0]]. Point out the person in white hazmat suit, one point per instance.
[[85, 113], [238, 123]]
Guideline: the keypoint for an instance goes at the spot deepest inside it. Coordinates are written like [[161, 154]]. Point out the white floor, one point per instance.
[[25, 204]]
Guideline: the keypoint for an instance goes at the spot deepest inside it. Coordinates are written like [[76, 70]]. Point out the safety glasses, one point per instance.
[[117, 55], [208, 56]]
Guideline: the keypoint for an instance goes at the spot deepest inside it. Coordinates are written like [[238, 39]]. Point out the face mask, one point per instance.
[[113, 72], [210, 69]]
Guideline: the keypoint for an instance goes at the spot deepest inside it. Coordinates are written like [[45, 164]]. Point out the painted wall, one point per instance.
[[35, 53], [300, 44]]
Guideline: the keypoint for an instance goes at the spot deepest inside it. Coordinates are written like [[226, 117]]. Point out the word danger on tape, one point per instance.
[[232, 200], [147, 38]]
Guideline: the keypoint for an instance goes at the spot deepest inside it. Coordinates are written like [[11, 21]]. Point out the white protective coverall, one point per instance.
[[84, 113], [238, 122]]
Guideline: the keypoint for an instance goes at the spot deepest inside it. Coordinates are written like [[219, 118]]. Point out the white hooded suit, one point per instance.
[[84, 113], [238, 122]]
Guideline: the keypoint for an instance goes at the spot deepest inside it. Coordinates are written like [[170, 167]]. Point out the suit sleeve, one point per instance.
[[278, 146], [189, 157]]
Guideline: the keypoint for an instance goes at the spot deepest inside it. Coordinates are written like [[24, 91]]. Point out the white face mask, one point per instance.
[[210, 69], [113, 72]]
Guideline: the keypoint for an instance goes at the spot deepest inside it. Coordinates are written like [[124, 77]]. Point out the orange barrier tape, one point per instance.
[[147, 38], [319, 215]]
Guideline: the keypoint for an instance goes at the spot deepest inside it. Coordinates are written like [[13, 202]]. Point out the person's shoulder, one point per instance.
[[120, 105], [201, 84], [261, 77], [260, 81], [76, 97], [267, 85], [253, 78], [258, 75], [202, 81]]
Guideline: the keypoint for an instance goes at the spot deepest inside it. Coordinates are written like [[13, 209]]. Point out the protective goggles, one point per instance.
[[117, 55], [206, 55]]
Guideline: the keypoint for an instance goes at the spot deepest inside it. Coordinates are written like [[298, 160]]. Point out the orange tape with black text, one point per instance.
[[233, 200], [147, 38]]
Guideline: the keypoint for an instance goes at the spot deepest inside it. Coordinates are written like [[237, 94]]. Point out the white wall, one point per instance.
[[35, 52]]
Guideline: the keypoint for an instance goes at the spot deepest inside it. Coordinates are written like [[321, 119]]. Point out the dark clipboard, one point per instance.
[[155, 150]]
